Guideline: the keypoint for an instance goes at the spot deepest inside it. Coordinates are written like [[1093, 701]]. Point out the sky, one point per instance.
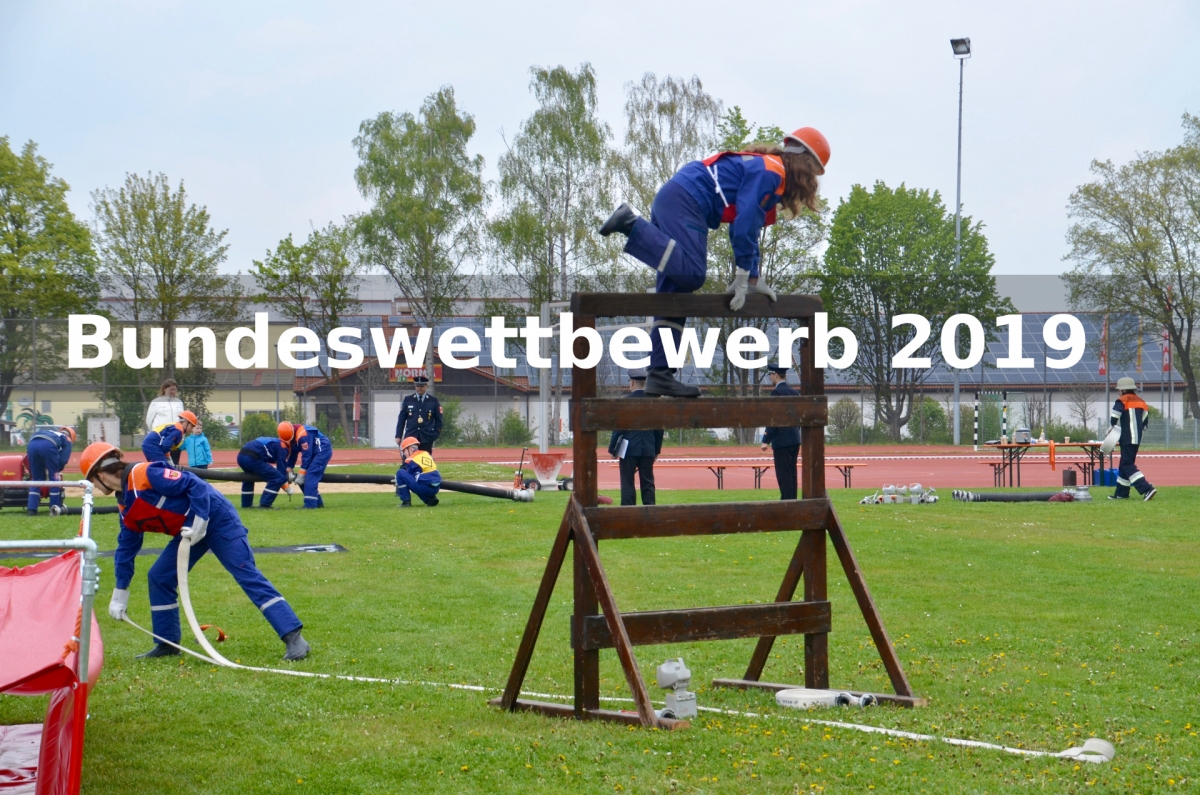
[[255, 105]]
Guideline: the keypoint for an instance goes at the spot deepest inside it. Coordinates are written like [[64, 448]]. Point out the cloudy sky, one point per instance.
[[255, 105]]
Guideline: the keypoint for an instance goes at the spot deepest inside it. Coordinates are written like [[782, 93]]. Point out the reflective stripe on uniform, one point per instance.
[[1122, 482], [1135, 478], [159, 608], [271, 602], [664, 323], [662, 263]]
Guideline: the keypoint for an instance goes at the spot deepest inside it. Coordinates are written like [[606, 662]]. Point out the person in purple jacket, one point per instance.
[[742, 189]]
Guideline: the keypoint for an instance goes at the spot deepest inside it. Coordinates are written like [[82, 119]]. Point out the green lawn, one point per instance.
[[1028, 624]]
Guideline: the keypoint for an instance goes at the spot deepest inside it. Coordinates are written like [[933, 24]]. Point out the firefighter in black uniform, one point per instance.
[[785, 442], [420, 416], [1131, 414], [641, 448]]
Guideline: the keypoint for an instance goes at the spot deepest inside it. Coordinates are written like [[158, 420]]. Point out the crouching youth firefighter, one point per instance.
[[1133, 415], [49, 452], [266, 457], [162, 442], [312, 450], [641, 448], [157, 498], [742, 189], [417, 474], [784, 442]]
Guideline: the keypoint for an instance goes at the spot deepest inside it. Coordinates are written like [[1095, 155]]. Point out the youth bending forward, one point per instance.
[[742, 189]]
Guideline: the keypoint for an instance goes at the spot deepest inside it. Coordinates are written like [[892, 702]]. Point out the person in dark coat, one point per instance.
[[785, 442], [640, 448], [1131, 414], [420, 416]]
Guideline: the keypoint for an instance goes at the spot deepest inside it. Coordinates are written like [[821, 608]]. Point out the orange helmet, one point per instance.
[[808, 139], [96, 455], [409, 441], [188, 416], [286, 431], [69, 431]]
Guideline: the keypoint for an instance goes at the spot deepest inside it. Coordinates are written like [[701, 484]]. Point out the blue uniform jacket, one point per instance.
[[307, 445], [62, 445], [749, 186], [782, 437], [160, 499], [641, 443], [420, 418], [157, 445], [1133, 415], [267, 448]]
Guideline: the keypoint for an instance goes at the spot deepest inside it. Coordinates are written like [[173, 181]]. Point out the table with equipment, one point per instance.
[[1011, 454]]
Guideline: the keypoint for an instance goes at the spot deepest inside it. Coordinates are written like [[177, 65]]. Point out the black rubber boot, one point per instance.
[[660, 383], [406, 504], [433, 502], [620, 221], [297, 647], [160, 650]]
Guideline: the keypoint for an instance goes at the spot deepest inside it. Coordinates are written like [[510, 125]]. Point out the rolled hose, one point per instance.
[[516, 495], [71, 510]]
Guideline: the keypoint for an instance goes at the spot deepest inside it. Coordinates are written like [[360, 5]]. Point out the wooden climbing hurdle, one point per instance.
[[597, 622]]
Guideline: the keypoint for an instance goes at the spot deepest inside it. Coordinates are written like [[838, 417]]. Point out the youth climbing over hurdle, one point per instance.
[[309, 452], [157, 498], [742, 189], [418, 474], [266, 457]]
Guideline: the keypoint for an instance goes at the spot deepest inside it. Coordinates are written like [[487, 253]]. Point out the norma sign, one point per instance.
[[404, 375]]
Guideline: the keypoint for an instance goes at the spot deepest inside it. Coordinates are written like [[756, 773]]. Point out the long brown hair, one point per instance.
[[800, 182], [170, 382]]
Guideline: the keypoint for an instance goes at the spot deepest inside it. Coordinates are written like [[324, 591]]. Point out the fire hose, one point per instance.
[[516, 495]]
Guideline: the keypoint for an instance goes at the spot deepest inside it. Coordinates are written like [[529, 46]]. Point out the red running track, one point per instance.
[[938, 467]]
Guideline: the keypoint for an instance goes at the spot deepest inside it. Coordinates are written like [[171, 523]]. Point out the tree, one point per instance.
[[316, 285], [891, 252], [160, 253], [47, 265], [428, 197], [1135, 241], [554, 184]]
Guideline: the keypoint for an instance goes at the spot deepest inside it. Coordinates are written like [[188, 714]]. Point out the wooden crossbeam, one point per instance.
[[694, 305], [661, 521], [553, 710], [706, 623], [606, 414]]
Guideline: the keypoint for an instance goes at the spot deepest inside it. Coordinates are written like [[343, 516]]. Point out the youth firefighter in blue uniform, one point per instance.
[[742, 189], [165, 439], [309, 452], [48, 451], [417, 474], [420, 416], [1132, 414], [157, 498], [266, 457], [784, 442], [643, 448]]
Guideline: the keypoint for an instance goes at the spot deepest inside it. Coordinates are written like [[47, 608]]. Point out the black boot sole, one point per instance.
[[620, 221]]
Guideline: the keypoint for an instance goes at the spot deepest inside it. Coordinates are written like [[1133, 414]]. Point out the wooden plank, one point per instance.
[[554, 710], [787, 589], [587, 661], [612, 616], [691, 305], [816, 644], [605, 414], [886, 698], [661, 521], [706, 623], [533, 627], [583, 387], [862, 594]]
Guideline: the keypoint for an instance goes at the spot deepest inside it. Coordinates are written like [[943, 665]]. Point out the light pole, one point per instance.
[[962, 51]]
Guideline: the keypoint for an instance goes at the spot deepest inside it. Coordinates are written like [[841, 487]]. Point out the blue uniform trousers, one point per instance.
[[227, 539], [1128, 473], [675, 243], [264, 469], [43, 465], [426, 487], [312, 478]]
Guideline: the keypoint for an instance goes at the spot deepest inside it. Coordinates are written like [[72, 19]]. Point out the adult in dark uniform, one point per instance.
[[641, 448], [784, 442], [1131, 414], [420, 416]]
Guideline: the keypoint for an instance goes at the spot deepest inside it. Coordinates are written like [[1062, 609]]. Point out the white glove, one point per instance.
[[291, 476], [196, 531], [118, 604], [761, 287], [300, 479], [290, 489], [738, 287]]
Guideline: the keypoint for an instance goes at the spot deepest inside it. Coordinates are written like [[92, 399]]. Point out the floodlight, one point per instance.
[[961, 47]]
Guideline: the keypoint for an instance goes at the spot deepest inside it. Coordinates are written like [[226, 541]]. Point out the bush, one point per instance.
[[513, 430], [844, 419], [451, 420], [257, 424], [929, 423], [217, 432]]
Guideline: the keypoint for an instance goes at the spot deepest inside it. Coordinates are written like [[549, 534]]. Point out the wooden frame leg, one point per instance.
[[787, 590]]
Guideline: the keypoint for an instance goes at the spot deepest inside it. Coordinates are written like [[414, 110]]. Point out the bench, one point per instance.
[[718, 469]]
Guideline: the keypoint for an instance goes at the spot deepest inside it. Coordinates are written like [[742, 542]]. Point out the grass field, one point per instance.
[[1034, 625]]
